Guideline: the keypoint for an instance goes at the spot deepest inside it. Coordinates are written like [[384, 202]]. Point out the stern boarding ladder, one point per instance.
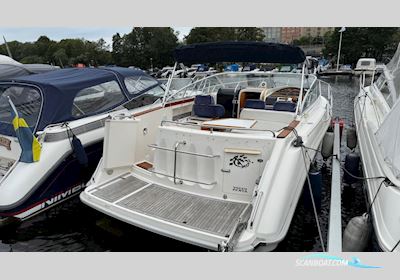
[[162, 199]]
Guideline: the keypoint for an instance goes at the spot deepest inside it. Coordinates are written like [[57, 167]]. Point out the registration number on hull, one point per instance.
[[239, 189]]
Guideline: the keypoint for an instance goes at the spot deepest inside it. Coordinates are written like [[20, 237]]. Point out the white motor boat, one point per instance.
[[377, 113], [65, 110], [223, 168], [9, 68]]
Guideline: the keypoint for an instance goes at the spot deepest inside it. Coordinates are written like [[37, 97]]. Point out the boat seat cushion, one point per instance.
[[254, 104], [208, 111], [204, 100], [270, 100], [205, 107], [286, 106]]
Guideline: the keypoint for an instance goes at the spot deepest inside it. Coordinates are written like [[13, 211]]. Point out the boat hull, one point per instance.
[[384, 218], [278, 195], [65, 181]]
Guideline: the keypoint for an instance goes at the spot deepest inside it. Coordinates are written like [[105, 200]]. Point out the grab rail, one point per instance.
[[155, 146], [255, 129], [175, 155], [378, 118]]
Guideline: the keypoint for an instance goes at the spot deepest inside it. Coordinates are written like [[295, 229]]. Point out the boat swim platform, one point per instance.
[[214, 216]]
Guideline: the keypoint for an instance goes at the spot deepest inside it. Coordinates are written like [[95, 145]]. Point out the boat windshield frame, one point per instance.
[[39, 114], [302, 82], [391, 77]]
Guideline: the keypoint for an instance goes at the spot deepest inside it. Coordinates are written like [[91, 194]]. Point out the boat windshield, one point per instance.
[[240, 80], [137, 84], [27, 101], [394, 68], [148, 97], [388, 82]]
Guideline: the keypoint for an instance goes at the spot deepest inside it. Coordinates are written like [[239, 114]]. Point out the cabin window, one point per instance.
[[27, 101], [149, 97], [137, 84], [97, 98]]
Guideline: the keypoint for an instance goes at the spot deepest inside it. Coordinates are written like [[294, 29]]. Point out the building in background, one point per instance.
[[288, 34], [272, 34], [315, 31]]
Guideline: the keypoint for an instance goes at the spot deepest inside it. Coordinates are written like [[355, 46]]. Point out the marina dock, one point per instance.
[[335, 210]]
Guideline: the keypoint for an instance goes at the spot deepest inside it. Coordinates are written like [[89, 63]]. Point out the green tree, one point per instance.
[[215, 34], [145, 45], [210, 34], [60, 57], [249, 34], [376, 42], [62, 53], [41, 47], [117, 48], [31, 59]]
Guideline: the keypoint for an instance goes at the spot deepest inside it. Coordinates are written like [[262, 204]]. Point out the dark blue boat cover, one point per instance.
[[59, 88], [258, 52]]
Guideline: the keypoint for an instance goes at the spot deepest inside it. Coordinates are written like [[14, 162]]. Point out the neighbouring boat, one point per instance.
[[377, 114], [220, 163], [9, 68], [60, 108]]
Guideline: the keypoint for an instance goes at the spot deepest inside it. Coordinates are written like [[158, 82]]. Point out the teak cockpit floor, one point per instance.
[[218, 217]]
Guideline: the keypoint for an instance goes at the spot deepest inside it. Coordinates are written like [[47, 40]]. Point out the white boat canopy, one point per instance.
[[10, 68], [388, 134]]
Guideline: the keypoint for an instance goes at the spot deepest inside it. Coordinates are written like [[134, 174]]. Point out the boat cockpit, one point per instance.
[[229, 101]]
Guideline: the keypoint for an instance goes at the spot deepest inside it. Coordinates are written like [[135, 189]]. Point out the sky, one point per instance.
[[30, 34]]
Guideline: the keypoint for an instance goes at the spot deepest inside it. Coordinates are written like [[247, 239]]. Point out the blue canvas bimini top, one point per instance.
[[59, 89], [232, 51]]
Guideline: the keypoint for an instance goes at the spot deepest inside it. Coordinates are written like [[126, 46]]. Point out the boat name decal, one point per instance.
[[61, 196], [240, 161], [5, 142]]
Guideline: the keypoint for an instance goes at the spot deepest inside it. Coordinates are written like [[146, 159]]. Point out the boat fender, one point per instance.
[[327, 145], [79, 151], [351, 138], [357, 234], [352, 166], [316, 188]]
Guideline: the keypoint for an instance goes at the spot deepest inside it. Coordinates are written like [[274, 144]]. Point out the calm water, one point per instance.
[[76, 227]]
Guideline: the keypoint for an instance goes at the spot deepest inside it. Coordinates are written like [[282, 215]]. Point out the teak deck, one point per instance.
[[286, 131], [215, 216]]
